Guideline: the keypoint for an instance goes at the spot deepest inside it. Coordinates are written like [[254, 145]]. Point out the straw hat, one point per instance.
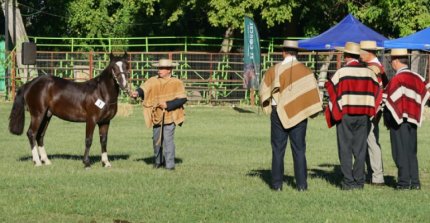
[[165, 63], [399, 52], [369, 45], [292, 44], [350, 47]]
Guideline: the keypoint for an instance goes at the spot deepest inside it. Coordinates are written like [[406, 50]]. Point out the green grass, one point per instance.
[[222, 175]]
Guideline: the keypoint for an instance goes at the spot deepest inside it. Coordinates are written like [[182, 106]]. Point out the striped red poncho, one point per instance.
[[405, 96], [353, 90]]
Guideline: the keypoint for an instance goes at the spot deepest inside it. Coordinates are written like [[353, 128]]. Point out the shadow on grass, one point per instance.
[[334, 175], [266, 176], [241, 110], [329, 172], [150, 160], [93, 159], [390, 181]]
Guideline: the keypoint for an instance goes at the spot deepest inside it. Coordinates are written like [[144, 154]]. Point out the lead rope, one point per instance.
[[160, 140]]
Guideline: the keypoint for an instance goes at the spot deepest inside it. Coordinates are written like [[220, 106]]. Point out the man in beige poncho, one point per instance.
[[163, 99], [289, 92]]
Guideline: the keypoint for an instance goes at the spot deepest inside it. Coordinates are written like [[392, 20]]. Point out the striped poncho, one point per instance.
[[294, 88], [405, 97], [353, 90]]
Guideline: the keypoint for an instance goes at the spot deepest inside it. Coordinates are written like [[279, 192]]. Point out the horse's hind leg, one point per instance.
[[41, 135], [31, 134], [103, 130]]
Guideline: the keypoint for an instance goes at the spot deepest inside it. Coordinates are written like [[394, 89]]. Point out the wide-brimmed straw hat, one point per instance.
[[291, 44], [165, 63], [350, 47], [369, 45], [399, 52]]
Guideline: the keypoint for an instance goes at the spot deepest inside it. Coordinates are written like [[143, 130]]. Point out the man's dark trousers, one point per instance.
[[279, 139], [404, 149], [352, 134]]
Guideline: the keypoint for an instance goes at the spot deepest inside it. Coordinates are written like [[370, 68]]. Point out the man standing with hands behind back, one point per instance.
[[163, 99], [289, 92], [375, 170], [405, 97], [354, 94]]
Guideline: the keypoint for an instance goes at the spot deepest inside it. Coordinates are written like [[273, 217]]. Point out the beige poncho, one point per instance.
[[158, 90], [295, 91]]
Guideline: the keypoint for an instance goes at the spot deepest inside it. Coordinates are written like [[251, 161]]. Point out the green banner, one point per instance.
[[251, 55]]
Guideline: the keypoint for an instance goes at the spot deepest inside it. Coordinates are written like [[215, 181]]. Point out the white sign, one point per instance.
[[99, 103]]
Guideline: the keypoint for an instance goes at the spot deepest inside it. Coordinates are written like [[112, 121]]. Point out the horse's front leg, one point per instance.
[[88, 141], [103, 130]]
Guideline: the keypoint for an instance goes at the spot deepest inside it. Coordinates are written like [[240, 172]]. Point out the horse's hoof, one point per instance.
[[87, 168], [107, 165], [37, 164], [47, 162]]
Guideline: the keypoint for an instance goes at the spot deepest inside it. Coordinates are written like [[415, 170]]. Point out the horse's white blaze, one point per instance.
[[124, 81], [44, 156], [35, 155]]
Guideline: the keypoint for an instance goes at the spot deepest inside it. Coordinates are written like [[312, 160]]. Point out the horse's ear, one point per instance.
[[125, 56], [111, 56]]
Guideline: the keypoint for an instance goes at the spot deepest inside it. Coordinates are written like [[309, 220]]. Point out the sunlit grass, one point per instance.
[[222, 175]]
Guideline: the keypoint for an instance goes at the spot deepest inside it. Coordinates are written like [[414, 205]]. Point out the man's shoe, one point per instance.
[[415, 187], [302, 189], [344, 186], [277, 189], [400, 187], [157, 165], [359, 186]]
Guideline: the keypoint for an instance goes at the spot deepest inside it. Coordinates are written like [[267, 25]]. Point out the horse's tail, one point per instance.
[[17, 115]]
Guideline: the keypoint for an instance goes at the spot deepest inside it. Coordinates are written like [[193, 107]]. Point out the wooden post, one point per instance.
[[252, 96], [13, 76]]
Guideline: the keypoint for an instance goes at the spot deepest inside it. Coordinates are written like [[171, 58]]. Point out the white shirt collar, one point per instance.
[[288, 59], [375, 60], [402, 69], [351, 61]]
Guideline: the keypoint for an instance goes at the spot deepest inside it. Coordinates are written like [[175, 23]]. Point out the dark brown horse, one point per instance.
[[93, 102]]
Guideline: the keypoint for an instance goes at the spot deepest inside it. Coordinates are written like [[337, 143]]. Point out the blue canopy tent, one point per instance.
[[347, 30], [417, 41]]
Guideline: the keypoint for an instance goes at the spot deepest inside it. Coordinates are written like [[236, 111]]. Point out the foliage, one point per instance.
[[39, 16], [223, 172], [402, 18], [275, 18], [227, 13]]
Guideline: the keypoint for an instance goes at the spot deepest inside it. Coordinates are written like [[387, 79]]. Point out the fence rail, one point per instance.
[[208, 77], [150, 43]]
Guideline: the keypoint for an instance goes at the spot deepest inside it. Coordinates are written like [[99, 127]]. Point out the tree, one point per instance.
[[105, 18], [393, 18]]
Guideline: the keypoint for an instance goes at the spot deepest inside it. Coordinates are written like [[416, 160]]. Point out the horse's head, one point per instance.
[[119, 67]]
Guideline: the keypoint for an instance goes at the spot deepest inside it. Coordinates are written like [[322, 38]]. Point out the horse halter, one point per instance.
[[124, 75]]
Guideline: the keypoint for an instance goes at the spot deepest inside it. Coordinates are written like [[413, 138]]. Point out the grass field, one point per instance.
[[222, 175]]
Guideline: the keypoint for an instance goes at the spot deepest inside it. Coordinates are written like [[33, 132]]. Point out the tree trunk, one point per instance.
[[322, 78], [21, 36], [227, 43]]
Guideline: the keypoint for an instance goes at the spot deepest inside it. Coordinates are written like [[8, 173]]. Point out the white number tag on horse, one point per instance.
[[99, 103]]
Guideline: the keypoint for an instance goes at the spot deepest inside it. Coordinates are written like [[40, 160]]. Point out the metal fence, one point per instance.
[[208, 77]]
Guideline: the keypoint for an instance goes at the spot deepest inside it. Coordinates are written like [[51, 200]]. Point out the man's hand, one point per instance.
[[162, 105], [134, 94]]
